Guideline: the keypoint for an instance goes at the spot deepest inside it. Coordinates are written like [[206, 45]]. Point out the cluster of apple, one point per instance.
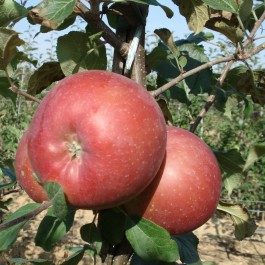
[[104, 139]]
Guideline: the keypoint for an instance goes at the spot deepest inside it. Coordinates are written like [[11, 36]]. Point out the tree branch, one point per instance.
[[254, 30], [211, 98], [96, 23], [26, 217], [16, 90]]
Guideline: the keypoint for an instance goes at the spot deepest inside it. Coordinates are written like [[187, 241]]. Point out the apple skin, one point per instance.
[[186, 190], [100, 135], [25, 173]]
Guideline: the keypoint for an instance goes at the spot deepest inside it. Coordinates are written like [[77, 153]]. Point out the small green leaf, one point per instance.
[[51, 229], [225, 5], [44, 76], [188, 248], [244, 225], [75, 258], [198, 38], [256, 152], [111, 223], [10, 11], [9, 235], [165, 109], [230, 161], [59, 204], [91, 234], [150, 241], [88, 53]]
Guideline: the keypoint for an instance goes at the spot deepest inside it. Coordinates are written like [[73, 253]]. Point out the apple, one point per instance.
[[186, 190], [100, 135], [25, 174]]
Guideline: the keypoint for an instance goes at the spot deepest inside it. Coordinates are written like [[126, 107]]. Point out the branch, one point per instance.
[[16, 90], [211, 98], [254, 30], [26, 217], [96, 23], [182, 76]]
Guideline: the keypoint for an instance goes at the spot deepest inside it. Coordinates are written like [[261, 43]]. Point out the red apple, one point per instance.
[[100, 135], [186, 190], [25, 174]]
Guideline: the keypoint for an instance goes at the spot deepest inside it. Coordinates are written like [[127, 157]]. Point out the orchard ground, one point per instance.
[[217, 242]]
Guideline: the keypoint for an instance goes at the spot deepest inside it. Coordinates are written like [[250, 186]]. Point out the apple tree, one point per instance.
[[120, 105]]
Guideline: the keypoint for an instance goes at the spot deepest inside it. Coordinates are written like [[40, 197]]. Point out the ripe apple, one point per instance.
[[25, 173], [100, 135], [186, 190]]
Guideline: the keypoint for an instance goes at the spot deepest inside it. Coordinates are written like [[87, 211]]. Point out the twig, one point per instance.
[[211, 98], [16, 90], [95, 21], [26, 217], [195, 70], [254, 30]]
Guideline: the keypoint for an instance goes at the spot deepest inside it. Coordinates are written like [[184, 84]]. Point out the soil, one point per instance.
[[217, 242]]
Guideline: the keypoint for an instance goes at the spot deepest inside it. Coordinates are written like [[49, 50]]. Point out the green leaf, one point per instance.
[[244, 225], [255, 153], [4, 87], [225, 5], [44, 76], [136, 260], [165, 109], [51, 229], [75, 258], [88, 53], [52, 13], [196, 13], [59, 205], [150, 241], [9, 235], [198, 38], [32, 261], [231, 161], [9, 41], [91, 234], [10, 11], [232, 182], [111, 223], [188, 248], [245, 9]]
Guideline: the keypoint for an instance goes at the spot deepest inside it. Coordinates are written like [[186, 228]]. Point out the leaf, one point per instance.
[[111, 223], [244, 225], [87, 53], [4, 87], [51, 229], [10, 11], [228, 27], [225, 5], [51, 14], [232, 182], [165, 109], [256, 151], [188, 248], [75, 258], [91, 234], [9, 235], [32, 261], [59, 204], [9, 41], [150, 241], [231, 161], [44, 76], [202, 36], [196, 13], [245, 9]]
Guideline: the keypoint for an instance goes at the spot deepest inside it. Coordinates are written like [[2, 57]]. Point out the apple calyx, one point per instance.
[[75, 149]]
